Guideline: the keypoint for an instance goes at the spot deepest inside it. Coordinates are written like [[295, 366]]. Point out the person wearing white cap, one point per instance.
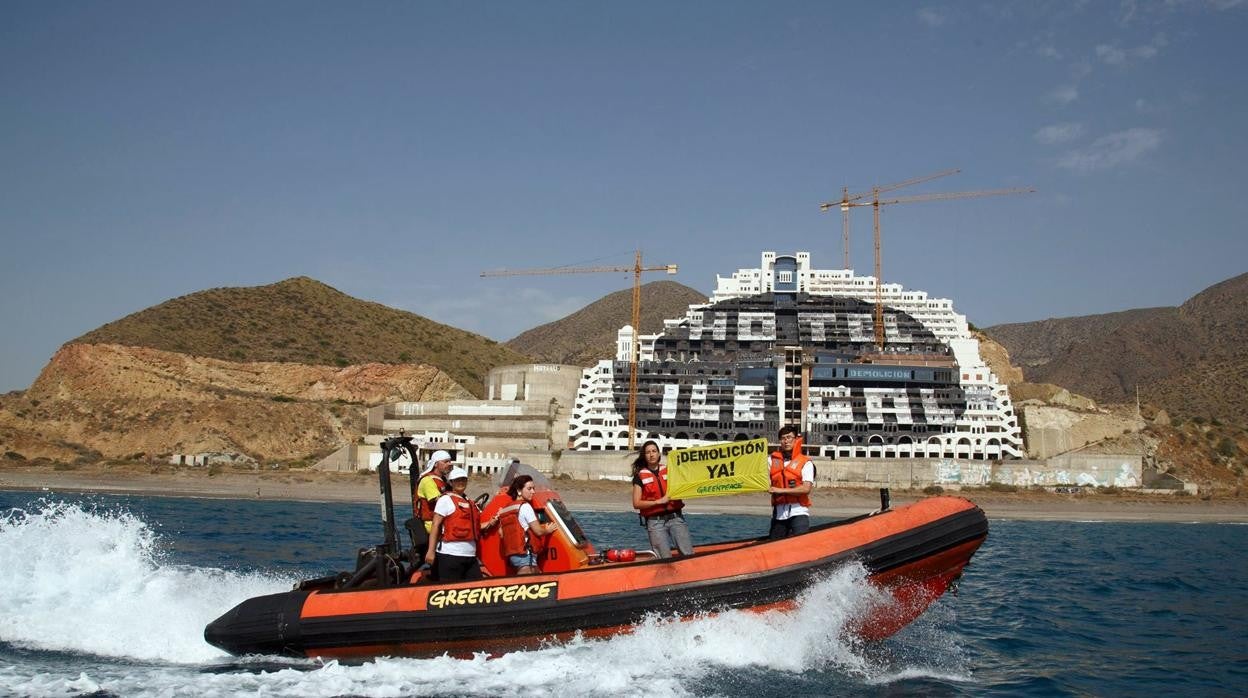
[[456, 529], [431, 486]]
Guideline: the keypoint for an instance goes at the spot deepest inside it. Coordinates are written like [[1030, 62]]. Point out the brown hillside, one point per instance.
[[1191, 360], [93, 372], [589, 334], [1033, 344], [303, 321], [112, 401], [1221, 313]]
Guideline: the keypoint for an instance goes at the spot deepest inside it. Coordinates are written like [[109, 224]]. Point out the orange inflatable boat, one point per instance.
[[386, 608]]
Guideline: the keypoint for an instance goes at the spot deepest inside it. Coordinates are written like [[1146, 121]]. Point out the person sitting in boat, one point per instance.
[[792, 479], [432, 485], [455, 533], [660, 515], [521, 532]]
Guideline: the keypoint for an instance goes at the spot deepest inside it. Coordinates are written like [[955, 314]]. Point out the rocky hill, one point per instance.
[[1035, 344], [109, 401], [589, 334], [1191, 361], [304, 321]]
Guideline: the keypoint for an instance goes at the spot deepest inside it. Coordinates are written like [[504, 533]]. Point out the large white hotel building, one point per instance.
[[788, 344]]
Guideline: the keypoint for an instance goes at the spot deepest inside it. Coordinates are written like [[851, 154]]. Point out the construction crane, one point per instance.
[[637, 270], [875, 203], [847, 201]]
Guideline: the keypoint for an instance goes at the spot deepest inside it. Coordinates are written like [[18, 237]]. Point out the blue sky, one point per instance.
[[395, 150]]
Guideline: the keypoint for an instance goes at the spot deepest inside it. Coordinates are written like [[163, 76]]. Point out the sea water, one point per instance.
[[103, 596]]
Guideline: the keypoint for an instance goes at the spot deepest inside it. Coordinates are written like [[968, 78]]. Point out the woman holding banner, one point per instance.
[[660, 515]]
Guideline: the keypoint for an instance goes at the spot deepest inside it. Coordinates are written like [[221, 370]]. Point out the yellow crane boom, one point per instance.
[[637, 268]]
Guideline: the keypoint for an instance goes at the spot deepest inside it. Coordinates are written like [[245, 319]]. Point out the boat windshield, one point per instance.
[[558, 511], [540, 481]]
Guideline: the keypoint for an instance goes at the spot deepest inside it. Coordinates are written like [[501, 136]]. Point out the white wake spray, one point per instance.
[[89, 580]]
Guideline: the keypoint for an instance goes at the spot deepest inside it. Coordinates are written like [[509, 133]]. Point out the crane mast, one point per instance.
[[634, 356]]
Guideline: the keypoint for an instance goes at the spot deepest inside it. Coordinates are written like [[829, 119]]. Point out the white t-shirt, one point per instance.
[[460, 548], [526, 516], [785, 511]]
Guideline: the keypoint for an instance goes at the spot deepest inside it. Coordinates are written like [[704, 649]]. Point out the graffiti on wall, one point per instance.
[[952, 472], [1106, 473]]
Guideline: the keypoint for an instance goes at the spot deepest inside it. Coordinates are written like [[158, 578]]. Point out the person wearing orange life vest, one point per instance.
[[521, 532], [456, 530], [792, 479], [660, 515]]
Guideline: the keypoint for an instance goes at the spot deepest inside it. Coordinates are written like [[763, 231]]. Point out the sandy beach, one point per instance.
[[598, 495]]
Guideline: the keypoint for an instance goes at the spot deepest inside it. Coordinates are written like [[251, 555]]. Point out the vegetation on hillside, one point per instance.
[[1205, 451], [304, 321]]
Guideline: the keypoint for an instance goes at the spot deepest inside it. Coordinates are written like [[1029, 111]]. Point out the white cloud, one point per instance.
[[1080, 70], [1059, 133], [931, 17], [1064, 94], [1106, 152], [1112, 54], [1049, 51], [1155, 109], [1128, 12]]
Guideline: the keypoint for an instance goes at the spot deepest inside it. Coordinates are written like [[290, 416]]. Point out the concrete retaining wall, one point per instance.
[[595, 465]]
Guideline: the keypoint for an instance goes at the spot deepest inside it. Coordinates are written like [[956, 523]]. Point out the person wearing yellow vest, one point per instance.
[[456, 531], [432, 485], [659, 514], [792, 479]]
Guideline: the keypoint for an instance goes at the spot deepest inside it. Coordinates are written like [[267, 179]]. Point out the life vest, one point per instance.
[[654, 486], [516, 539], [464, 524], [789, 476], [423, 508]]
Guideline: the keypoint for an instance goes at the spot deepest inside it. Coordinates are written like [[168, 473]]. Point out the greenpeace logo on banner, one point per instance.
[[710, 471], [721, 488]]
